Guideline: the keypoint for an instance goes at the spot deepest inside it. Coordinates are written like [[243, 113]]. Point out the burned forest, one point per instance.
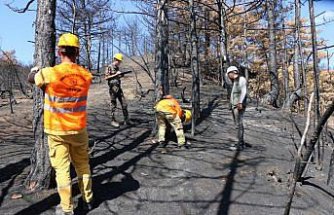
[[190, 107]]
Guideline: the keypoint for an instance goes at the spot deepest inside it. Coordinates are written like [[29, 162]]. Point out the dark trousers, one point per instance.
[[116, 93]]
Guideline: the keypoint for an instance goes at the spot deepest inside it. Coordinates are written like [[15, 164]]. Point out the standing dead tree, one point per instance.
[[316, 76], [272, 96], [194, 68], [301, 161], [40, 172], [297, 59], [161, 72]]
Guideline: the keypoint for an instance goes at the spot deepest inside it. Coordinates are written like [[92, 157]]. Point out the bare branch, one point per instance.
[[22, 10]]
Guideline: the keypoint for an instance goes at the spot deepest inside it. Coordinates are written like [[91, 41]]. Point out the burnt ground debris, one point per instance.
[[132, 176]]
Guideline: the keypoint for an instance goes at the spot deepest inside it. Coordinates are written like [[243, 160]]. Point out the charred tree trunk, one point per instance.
[[285, 68], [40, 173], [316, 78], [99, 57], [272, 97], [315, 61], [194, 68], [161, 78], [296, 95], [330, 175], [207, 42], [223, 58], [297, 59], [88, 43], [301, 162]]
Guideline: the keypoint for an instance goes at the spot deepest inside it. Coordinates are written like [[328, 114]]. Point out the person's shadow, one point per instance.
[[111, 190], [102, 192]]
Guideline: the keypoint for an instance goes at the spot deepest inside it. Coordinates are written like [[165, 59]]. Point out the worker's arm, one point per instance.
[[42, 77], [114, 75], [31, 75], [111, 73]]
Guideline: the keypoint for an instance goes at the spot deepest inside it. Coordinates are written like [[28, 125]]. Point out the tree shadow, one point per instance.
[[318, 187], [225, 202], [11, 172], [105, 191], [205, 113]]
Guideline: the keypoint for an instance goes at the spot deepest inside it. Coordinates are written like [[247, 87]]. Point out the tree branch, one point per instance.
[[22, 10]]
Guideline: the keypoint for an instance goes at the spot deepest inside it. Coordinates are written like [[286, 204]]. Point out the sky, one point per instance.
[[17, 29]]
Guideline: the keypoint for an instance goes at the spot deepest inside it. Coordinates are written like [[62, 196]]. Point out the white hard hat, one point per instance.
[[232, 69]]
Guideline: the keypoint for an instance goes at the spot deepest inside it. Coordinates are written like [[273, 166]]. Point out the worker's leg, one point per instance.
[[241, 126], [113, 89], [238, 118], [60, 161], [80, 160], [176, 123], [124, 105], [161, 126], [234, 116]]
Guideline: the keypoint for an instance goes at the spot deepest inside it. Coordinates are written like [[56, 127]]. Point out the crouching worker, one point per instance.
[[169, 112], [66, 88]]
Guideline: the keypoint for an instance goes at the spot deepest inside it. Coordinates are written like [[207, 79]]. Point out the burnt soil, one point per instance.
[[131, 175]]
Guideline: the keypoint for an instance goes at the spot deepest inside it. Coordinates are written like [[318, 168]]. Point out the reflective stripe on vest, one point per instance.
[[64, 110], [65, 99], [65, 103]]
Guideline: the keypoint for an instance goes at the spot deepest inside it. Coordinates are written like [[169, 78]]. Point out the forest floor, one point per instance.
[[133, 176]]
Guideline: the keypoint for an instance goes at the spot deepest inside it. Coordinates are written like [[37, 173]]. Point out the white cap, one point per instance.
[[232, 69]]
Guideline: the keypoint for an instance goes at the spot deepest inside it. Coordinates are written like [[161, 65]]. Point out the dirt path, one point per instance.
[[132, 176]]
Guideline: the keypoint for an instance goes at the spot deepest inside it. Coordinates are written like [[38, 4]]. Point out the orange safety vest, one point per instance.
[[170, 106], [66, 98]]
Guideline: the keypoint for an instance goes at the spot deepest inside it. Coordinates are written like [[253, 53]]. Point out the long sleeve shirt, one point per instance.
[[239, 91]]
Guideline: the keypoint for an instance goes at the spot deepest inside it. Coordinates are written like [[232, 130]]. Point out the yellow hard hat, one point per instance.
[[69, 39], [118, 56], [188, 116]]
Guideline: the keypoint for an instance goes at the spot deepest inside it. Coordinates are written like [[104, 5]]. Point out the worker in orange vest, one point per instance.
[[66, 89], [169, 112]]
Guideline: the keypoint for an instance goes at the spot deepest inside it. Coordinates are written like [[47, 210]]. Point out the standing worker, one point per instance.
[[238, 103], [66, 89], [113, 76], [168, 112]]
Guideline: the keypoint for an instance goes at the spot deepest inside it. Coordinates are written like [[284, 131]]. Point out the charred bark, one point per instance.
[[223, 55], [194, 68], [302, 161], [272, 96], [161, 76], [40, 172]]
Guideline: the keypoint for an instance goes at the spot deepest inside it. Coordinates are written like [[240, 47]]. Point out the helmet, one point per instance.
[[69, 39], [188, 116], [232, 69], [118, 56]]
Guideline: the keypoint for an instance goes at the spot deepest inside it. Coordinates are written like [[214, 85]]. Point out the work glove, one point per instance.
[[183, 116], [34, 69]]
